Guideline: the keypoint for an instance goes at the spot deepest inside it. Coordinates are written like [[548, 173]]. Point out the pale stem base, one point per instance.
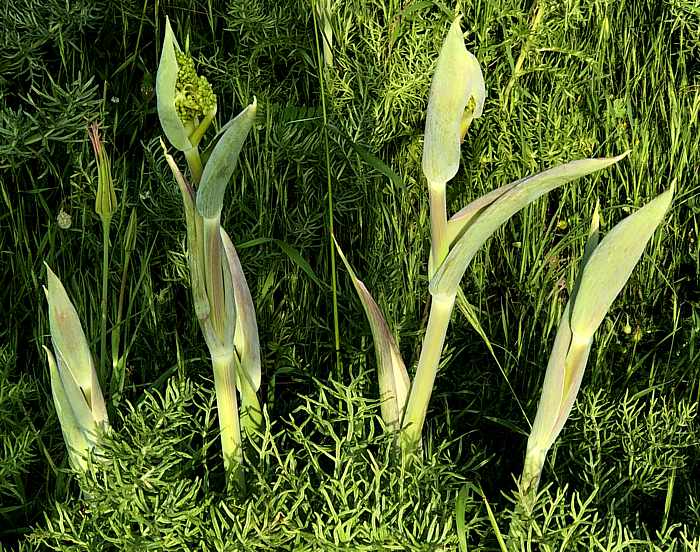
[[428, 363], [229, 424]]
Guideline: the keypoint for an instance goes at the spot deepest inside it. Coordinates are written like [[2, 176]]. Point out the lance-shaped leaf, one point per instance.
[[566, 364], [612, 262], [459, 222], [245, 341], [71, 346], [73, 433], [166, 92], [222, 162], [394, 382], [195, 232], [606, 267], [450, 273], [246, 338], [457, 79]]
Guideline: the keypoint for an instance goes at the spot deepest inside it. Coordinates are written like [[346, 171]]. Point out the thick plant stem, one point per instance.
[[438, 223], [422, 387], [229, 424], [532, 471], [103, 326], [194, 162]]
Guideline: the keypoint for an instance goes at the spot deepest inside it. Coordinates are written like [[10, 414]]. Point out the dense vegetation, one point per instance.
[[590, 78]]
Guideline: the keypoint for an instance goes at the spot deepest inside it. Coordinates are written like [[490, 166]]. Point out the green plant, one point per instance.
[[105, 206], [457, 96], [74, 383], [605, 268], [222, 300]]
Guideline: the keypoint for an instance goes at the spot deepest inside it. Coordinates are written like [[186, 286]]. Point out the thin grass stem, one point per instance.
[[103, 326], [329, 187]]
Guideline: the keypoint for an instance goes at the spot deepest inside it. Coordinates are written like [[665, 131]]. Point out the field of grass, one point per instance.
[[585, 78]]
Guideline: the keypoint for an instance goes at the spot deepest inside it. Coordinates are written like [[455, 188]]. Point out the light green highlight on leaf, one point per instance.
[[457, 78], [222, 162], [522, 193]]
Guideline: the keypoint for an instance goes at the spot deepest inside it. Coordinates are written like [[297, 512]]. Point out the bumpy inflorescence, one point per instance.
[[194, 98]]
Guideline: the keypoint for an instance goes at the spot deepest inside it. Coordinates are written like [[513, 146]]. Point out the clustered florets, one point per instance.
[[194, 98]]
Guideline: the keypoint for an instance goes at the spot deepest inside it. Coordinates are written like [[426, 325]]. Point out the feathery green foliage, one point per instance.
[[594, 79]]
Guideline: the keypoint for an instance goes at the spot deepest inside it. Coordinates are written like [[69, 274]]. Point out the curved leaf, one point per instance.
[[394, 382], [611, 264], [457, 78], [222, 162], [166, 80], [527, 190]]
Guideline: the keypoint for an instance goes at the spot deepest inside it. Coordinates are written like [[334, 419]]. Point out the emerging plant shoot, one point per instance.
[[604, 270], [222, 300], [457, 96], [75, 388]]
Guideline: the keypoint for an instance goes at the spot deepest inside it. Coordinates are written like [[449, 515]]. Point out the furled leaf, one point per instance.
[[450, 273], [166, 81], [222, 162], [394, 382], [457, 78], [70, 427], [611, 263], [246, 338], [67, 336]]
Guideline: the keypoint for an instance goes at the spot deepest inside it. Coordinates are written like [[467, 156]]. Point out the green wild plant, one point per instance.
[[605, 268], [222, 300], [457, 97], [75, 386], [105, 206]]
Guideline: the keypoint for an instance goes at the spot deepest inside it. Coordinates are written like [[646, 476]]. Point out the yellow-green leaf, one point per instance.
[[457, 78], [611, 264]]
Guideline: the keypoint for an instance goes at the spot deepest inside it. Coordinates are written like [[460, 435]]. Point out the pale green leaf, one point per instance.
[[166, 80], [527, 190], [457, 78], [222, 162], [394, 382], [67, 336], [611, 264], [72, 433], [246, 338]]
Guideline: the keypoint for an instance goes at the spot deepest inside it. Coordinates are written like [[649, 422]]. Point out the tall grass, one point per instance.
[[596, 78]]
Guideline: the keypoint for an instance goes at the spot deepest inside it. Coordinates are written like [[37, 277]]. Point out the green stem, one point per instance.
[[229, 424], [438, 223], [329, 186], [103, 328], [117, 381], [428, 363], [532, 471], [194, 162]]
